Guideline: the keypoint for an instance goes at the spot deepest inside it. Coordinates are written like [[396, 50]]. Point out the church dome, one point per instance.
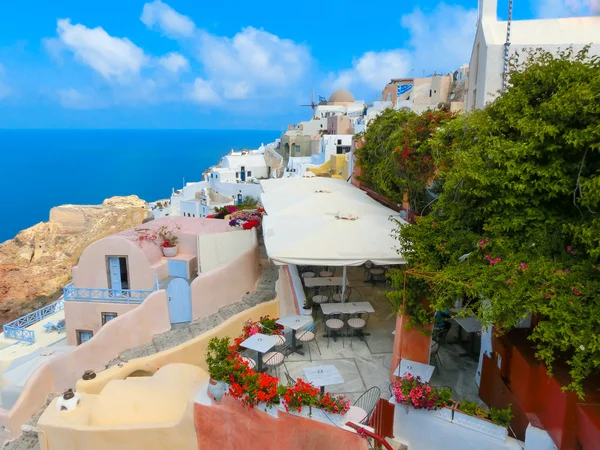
[[341, 96]]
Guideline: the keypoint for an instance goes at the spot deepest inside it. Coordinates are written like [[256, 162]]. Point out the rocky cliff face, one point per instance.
[[38, 260]]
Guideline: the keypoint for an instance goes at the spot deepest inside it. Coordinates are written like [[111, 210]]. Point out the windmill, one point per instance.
[[312, 104]]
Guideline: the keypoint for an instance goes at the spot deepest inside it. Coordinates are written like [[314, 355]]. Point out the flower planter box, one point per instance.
[[446, 413], [482, 425], [307, 311], [273, 411], [305, 412], [217, 389]]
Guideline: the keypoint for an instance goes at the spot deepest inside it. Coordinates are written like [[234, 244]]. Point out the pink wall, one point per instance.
[[145, 260], [88, 316], [126, 331], [91, 271], [226, 284], [229, 425]]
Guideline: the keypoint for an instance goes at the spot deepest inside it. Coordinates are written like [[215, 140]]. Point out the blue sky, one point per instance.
[[190, 64]]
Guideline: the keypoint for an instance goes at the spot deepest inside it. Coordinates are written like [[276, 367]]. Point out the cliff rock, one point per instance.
[[38, 260]]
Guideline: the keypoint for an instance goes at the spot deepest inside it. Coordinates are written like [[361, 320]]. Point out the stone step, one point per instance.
[[171, 338], [138, 352], [231, 310], [23, 442], [200, 326]]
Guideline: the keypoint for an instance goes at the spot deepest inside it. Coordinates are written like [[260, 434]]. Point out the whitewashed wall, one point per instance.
[[217, 249]]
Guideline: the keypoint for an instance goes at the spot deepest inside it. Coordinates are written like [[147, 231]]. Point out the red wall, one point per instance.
[[410, 343], [230, 426], [536, 396]]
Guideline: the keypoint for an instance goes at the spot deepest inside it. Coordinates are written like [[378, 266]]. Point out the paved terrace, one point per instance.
[[367, 363]]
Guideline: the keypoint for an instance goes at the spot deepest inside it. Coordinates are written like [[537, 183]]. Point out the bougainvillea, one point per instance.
[[411, 391], [516, 228]]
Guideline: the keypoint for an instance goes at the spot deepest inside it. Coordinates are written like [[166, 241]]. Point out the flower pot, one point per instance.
[[270, 410], [482, 425], [306, 411], [169, 251], [307, 311], [446, 413], [217, 389]]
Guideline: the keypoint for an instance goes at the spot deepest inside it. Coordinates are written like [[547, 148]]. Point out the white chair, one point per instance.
[[308, 335], [250, 362], [357, 322], [274, 360], [334, 323]]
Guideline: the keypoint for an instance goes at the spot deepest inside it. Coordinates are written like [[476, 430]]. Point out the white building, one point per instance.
[[487, 64]]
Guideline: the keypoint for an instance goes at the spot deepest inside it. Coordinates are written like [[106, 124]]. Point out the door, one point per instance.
[[180, 300], [114, 273], [243, 173], [178, 268]]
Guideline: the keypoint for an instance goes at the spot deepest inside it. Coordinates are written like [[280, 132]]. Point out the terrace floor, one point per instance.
[[364, 364]]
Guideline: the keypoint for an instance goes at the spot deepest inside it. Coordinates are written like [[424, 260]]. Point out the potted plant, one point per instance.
[[220, 365], [307, 308], [300, 397], [333, 407], [493, 422], [410, 391], [168, 241]]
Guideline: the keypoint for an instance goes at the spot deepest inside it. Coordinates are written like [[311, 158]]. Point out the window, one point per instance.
[[118, 277], [339, 142], [249, 173], [297, 148], [430, 92], [342, 149], [237, 174], [83, 336], [108, 316]]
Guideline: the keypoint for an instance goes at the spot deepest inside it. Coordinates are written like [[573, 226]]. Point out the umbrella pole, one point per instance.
[[344, 285]]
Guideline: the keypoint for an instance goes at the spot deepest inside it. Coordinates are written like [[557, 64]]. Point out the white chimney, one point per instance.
[[488, 9]]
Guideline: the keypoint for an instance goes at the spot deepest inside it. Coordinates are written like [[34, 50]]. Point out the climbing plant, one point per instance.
[[516, 228], [398, 156]]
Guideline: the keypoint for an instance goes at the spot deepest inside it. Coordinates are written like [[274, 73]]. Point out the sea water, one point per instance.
[[40, 169]]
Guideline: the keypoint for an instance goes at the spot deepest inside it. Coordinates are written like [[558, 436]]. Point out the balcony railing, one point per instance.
[[102, 295], [17, 328]]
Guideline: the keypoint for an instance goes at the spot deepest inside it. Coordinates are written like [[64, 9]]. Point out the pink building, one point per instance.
[[115, 274]]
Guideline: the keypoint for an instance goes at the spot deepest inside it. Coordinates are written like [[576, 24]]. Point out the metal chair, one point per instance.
[[320, 296], [334, 323], [357, 322], [308, 335], [367, 268], [350, 295], [433, 352], [289, 378], [249, 361], [275, 359], [367, 402], [377, 274]]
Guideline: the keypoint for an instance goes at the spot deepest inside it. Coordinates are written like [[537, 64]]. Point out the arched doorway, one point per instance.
[[180, 300]]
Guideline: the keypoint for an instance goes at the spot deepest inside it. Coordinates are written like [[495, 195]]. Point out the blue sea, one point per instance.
[[45, 168]]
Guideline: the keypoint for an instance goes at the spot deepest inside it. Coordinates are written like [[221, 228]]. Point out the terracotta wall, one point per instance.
[[238, 426], [225, 285], [88, 316], [91, 271], [410, 343], [127, 331], [534, 394]]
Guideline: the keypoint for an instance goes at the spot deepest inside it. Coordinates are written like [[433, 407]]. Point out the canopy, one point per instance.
[[326, 240], [315, 202], [298, 185]]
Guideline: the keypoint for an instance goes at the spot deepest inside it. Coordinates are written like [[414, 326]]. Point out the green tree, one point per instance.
[[516, 229]]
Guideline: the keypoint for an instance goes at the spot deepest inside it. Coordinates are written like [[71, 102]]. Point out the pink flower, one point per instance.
[[488, 256], [434, 224], [576, 292], [508, 281], [548, 296], [566, 271], [524, 266]]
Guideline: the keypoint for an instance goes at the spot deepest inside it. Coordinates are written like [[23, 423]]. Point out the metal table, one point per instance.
[[295, 322], [322, 376], [261, 343]]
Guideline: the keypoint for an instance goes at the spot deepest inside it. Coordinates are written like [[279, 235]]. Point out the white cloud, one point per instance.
[[566, 8], [374, 69], [72, 99], [253, 62], [159, 15], [112, 57], [439, 41], [203, 92], [174, 62]]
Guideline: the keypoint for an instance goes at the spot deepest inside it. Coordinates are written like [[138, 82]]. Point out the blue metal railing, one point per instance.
[[103, 295], [17, 328]]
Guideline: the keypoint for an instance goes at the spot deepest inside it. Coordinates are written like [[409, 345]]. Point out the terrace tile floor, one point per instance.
[[364, 364]]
